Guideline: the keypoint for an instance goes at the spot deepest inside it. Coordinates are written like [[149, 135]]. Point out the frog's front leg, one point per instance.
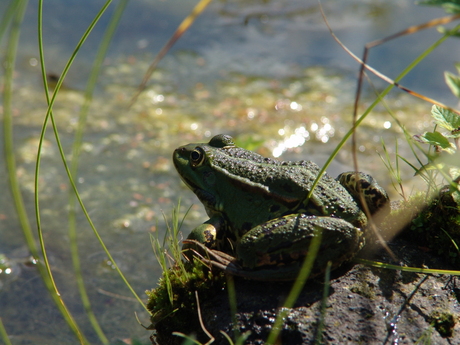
[[275, 250], [205, 234]]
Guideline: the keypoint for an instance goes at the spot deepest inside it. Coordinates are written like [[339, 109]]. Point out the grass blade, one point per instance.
[[377, 101], [321, 323], [76, 149], [299, 283], [17, 17], [49, 116], [7, 17], [3, 334]]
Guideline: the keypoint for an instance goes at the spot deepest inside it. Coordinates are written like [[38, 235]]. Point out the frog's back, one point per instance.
[[288, 182]]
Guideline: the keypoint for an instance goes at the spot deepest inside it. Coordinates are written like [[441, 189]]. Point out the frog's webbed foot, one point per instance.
[[211, 256], [230, 265]]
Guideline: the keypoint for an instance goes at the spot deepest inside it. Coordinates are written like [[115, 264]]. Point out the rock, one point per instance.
[[364, 305]]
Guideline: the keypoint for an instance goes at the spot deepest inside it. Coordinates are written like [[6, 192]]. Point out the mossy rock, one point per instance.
[[438, 225], [174, 305], [444, 322]]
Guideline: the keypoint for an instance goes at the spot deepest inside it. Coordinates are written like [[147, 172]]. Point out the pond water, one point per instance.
[[266, 72]]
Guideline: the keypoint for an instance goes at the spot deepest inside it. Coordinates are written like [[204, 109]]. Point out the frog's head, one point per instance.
[[194, 163], [242, 186]]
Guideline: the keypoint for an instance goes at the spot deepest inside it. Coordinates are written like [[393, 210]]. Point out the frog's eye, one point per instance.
[[197, 156]]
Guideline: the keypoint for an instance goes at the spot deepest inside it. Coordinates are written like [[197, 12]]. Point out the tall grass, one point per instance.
[[379, 99], [42, 263], [72, 171], [14, 15], [76, 150], [10, 27]]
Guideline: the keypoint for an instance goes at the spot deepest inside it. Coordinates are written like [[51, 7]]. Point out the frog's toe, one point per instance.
[[230, 265], [206, 254]]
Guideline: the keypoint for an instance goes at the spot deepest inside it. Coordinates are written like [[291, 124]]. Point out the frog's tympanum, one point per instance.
[[263, 215]]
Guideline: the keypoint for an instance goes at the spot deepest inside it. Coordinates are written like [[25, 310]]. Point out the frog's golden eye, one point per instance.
[[197, 156]]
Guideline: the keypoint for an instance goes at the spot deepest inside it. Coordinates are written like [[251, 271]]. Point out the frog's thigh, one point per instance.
[[286, 240]]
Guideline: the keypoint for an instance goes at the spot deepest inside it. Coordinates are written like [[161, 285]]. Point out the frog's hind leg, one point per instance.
[[279, 246]]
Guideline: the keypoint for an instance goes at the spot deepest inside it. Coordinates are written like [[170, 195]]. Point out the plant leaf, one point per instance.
[[430, 166], [453, 82], [445, 118], [448, 6], [448, 163], [436, 139]]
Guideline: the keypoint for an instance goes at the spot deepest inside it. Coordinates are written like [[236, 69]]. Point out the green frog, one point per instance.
[[263, 213]]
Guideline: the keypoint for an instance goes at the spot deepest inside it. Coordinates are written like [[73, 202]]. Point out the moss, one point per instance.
[[438, 225], [363, 290], [173, 306], [433, 224], [364, 287], [443, 322]]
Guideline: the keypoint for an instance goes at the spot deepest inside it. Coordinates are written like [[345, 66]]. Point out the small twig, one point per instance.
[[364, 205], [396, 317], [117, 296], [211, 338], [384, 77], [183, 27]]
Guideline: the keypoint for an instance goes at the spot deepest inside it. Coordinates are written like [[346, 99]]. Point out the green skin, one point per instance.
[[259, 210]]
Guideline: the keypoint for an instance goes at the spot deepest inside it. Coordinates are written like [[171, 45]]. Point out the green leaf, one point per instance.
[[436, 139], [453, 82], [448, 163], [430, 166], [451, 8], [445, 118], [448, 6]]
